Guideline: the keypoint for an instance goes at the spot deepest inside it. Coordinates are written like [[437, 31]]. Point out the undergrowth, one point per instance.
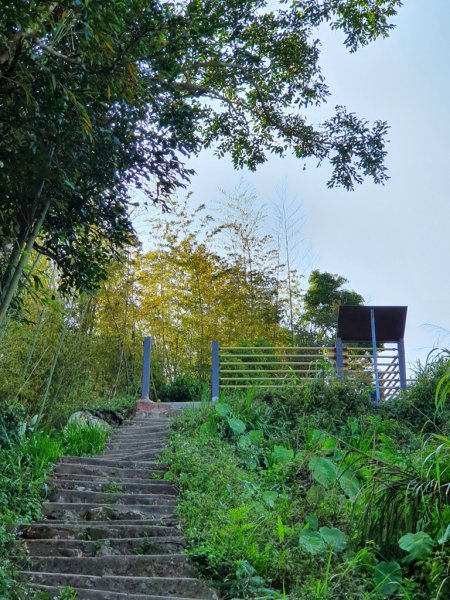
[[311, 493]]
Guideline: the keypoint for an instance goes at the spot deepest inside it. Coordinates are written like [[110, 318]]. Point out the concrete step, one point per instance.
[[107, 478], [96, 530], [180, 587], [73, 496], [140, 445], [146, 428], [132, 455], [106, 462], [115, 472], [92, 511], [127, 486], [105, 546], [135, 441], [155, 565], [84, 594]]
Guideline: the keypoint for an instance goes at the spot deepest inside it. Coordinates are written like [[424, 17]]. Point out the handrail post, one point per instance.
[[339, 347], [215, 372], [401, 363], [146, 367]]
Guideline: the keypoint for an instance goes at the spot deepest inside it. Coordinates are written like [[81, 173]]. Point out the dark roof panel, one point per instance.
[[354, 323]]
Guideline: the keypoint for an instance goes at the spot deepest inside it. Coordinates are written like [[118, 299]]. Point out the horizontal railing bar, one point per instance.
[[303, 362], [261, 386], [228, 381], [346, 348], [385, 356], [267, 370], [256, 348], [276, 356]]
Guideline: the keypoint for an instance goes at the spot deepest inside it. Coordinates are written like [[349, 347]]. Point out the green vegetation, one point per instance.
[[27, 456], [311, 493]]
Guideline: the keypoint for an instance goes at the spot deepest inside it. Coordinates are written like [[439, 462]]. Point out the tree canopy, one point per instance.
[[324, 296], [101, 98]]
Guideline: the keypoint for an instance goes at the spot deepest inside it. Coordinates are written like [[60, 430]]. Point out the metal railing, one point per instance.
[[236, 367]]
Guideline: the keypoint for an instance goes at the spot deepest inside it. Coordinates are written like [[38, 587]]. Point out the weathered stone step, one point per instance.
[[93, 511], [155, 565], [142, 429], [105, 462], [134, 442], [95, 484], [96, 530], [109, 471], [146, 427], [84, 594], [151, 422], [132, 455], [105, 547], [74, 496], [180, 587], [136, 445], [106, 478]]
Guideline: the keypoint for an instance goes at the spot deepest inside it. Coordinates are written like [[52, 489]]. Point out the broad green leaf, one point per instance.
[[446, 537], [256, 436], [209, 427], [244, 442], [387, 578], [419, 545], [222, 409], [334, 538], [349, 484], [329, 444], [281, 455], [323, 470], [313, 522], [236, 425], [311, 541], [269, 498]]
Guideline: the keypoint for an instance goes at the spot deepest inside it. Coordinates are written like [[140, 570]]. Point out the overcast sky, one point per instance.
[[392, 243]]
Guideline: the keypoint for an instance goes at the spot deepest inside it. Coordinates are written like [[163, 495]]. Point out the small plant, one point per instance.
[[112, 487], [84, 440]]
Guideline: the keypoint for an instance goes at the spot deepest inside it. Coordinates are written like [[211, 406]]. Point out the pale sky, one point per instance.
[[392, 243]]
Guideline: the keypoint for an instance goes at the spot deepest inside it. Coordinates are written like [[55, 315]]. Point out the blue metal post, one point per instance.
[[146, 369], [375, 358], [401, 363], [215, 372], [339, 358]]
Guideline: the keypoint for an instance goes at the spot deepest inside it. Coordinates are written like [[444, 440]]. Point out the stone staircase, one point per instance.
[[111, 530]]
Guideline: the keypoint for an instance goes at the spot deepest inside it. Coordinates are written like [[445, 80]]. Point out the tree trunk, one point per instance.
[[25, 245], [10, 289]]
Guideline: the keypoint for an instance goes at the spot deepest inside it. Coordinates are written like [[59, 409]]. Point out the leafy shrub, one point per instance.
[[417, 406], [184, 388]]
